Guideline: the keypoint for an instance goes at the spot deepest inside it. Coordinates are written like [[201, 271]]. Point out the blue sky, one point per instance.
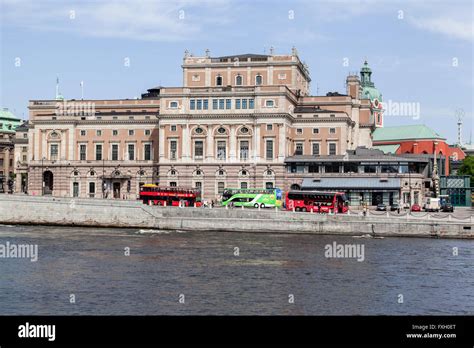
[[419, 51]]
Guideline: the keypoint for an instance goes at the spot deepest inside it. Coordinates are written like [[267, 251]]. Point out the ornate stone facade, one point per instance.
[[232, 124]]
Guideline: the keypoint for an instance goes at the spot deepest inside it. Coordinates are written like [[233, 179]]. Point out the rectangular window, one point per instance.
[[331, 168], [221, 104], [221, 150], [214, 104], [269, 149], [315, 130], [315, 149], [83, 133], [53, 152], [199, 104], [251, 103], [115, 132], [269, 185], [192, 104], [244, 103], [299, 131], [173, 184], [131, 152], [198, 149], [220, 187], [198, 186], [98, 152], [298, 149], [82, 152], [115, 152], [332, 130], [237, 103], [147, 132], [99, 133], [244, 150], [173, 149], [173, 128], [243, 185], [269, 127], [91, 189], [147, 152], [332, 148], [228, 103], [131, 132], [205, 104]]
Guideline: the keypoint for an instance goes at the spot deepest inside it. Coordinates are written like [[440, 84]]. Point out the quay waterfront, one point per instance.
[[30, 210]]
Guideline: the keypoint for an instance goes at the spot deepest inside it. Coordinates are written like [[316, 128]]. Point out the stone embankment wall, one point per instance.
[[17, 209]]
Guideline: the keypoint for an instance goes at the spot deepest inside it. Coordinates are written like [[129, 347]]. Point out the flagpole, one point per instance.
[[82, 90]]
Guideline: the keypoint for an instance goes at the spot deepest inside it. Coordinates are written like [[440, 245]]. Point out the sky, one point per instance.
[[420, 51]]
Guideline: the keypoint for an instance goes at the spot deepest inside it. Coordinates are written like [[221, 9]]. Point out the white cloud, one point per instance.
[[454, 28], [153, 20]]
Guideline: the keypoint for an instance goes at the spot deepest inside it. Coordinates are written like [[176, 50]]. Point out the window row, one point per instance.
[[221, 104], [221, 149], [315, 130], [115, 132], [239, 80], [130, 155], [315, 149]]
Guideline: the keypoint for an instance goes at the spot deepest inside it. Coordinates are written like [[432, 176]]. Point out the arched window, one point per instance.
[[238, 80], [219, 80], [258, 80], [221, 173], [295, 187]]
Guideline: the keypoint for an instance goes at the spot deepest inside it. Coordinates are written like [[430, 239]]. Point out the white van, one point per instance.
[[432, 204]]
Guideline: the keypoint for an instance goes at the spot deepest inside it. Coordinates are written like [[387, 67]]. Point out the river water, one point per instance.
[[261, 277]]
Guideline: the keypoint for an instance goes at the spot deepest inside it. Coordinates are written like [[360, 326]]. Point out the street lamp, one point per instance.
[[42, 176], [103, 177]]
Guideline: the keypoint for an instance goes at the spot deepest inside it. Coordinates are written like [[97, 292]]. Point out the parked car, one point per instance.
[[447, 208], [381, 207], [415, 207], [395, 207]]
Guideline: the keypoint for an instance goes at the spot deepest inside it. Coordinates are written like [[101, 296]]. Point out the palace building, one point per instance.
[[232, 124]]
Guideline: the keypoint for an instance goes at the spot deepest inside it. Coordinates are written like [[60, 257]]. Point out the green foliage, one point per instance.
[[467, 168]]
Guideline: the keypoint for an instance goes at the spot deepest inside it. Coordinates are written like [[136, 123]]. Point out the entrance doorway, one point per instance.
[[116, 189], [48, 180]]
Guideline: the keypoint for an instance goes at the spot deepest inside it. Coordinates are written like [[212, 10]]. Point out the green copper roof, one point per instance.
[[388, 148], [8, 121], [404, 133]]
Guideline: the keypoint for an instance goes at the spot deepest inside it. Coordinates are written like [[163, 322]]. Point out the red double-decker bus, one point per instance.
[[170, 196], [317, 201]]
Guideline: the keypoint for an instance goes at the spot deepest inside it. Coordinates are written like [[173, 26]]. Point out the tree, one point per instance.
[[467, 168]]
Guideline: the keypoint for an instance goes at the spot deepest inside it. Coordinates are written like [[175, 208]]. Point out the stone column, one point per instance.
[[44, 145], [209, 143], [281, 142], [257, 144], [185, 138], [6, 166], [232, 144], [161, 145]]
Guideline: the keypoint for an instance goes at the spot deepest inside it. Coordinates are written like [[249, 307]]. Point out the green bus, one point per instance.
[[252, 197]]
